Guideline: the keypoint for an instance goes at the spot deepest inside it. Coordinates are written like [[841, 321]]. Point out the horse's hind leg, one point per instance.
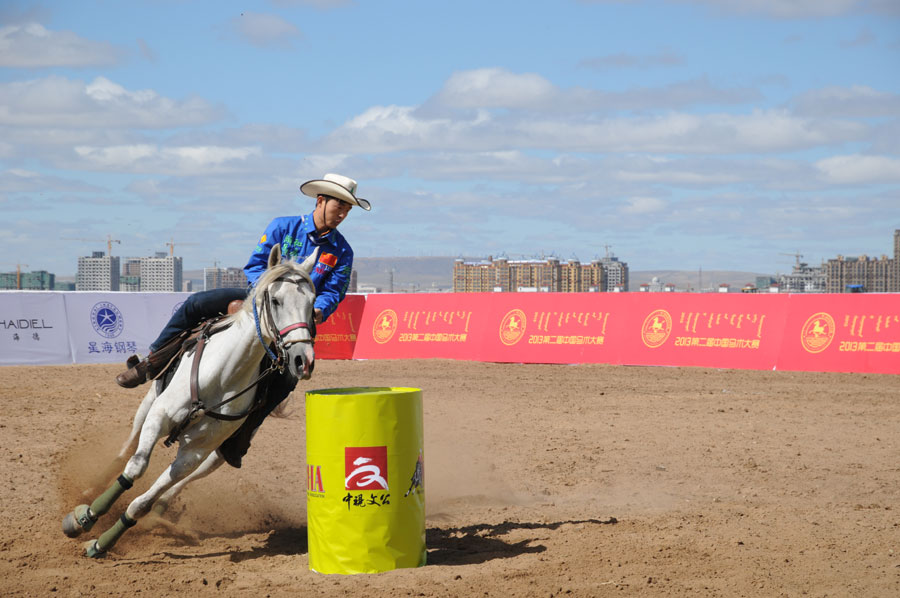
[[209, 465], [185, 463]]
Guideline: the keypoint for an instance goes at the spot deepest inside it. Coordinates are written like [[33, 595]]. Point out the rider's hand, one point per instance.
[[318, 316]]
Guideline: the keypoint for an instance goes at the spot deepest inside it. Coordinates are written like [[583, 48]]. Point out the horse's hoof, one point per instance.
[[78, 521], [91, 550]]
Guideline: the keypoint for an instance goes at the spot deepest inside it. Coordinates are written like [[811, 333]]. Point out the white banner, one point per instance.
[[108, 327], [33, 328]]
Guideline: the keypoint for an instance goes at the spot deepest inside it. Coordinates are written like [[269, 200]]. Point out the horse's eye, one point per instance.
[[276, 302]]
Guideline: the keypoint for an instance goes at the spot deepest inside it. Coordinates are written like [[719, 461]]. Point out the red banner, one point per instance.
[[821, 332], [418, 326], [336, 337], [562, 328], [842, 333], [703, 329]]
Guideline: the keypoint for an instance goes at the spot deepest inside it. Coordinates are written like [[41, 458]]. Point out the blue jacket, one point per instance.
[[298, 238]]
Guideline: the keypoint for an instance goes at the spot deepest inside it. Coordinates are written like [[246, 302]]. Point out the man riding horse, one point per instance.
[[299, 237]]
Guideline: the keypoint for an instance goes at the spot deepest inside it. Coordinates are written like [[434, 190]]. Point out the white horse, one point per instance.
[[279, 313]]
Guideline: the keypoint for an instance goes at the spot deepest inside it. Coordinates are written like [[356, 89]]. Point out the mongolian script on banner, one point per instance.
[[842, 333], [339, 328], [724, 330], [858, 332], [336, 337], [426, 326], [568, 328]]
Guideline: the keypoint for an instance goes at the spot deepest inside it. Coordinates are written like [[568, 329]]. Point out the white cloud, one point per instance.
[[494, 88], [31, 45], [789, 9], [265, 30], [320, 4], [859, 169], [855, 101], [56, 101], [785, 9], [627, 61], [397, 128], [18, 180], [643, 205], [146, 158], [499, 88]]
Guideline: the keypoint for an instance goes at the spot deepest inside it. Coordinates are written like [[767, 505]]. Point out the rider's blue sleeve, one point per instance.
[[335, 286], [259, 259]]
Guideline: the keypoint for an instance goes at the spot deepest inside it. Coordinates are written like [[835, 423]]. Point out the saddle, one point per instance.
[[164, 360], [236, 446]]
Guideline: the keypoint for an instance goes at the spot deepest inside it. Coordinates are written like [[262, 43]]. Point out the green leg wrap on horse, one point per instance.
[[103, 502], [112, 535]]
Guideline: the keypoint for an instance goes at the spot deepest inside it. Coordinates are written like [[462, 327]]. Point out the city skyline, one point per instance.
[[683, 133]]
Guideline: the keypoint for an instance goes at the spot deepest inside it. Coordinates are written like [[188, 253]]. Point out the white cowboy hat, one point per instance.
[[335, 185]]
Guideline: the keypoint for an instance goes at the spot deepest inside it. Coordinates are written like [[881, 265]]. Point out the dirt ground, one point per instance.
[[541, 480]]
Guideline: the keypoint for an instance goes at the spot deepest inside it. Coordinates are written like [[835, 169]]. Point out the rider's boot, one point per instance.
[[136, 374], [140, 370]]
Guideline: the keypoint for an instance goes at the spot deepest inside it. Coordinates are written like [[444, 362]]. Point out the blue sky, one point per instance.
[[682, 133]]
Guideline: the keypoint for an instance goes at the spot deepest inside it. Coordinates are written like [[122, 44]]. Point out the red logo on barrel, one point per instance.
[[365, 468]]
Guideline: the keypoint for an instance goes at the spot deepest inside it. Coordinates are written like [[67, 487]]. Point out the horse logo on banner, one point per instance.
[[512, 327], [656, 328], [817, 332], [385, 326]]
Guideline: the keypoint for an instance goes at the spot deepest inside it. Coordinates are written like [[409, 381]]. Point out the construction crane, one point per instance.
[[19, 276], [797, 256], [171, 246], [109, 242]]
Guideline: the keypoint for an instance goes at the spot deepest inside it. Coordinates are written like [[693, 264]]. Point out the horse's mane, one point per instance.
[[267, 278]]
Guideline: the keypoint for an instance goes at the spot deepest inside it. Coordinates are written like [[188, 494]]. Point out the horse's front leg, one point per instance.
[[114, 468], [156, 424], [186, 462]]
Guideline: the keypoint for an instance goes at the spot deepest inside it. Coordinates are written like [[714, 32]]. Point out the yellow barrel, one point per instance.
[[365, 489]]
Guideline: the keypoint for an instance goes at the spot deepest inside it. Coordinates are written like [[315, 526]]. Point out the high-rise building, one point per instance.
[[547, 275], [803, 279], [100, 272], [161, 273], [865, 274], [39, 280], [615, 273], [224, 278]]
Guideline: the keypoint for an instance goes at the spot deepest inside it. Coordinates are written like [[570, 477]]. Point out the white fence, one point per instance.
[[51, 328]]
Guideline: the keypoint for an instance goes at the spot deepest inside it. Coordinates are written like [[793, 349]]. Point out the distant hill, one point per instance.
[[409, 273]]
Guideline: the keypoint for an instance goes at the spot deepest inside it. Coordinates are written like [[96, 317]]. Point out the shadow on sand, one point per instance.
[[450, 546], [479, 543]]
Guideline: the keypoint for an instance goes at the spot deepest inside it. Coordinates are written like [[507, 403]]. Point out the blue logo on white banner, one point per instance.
[[107, 320]]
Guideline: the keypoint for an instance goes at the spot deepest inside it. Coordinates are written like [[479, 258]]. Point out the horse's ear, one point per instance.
[[310, 262], [275, 255]]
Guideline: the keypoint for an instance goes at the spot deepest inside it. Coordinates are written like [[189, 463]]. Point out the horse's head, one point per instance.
[[286, 296]]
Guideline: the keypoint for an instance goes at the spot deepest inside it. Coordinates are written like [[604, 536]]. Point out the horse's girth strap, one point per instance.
[[195, 369]]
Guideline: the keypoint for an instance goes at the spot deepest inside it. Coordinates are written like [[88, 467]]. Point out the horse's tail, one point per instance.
[[284, 409]]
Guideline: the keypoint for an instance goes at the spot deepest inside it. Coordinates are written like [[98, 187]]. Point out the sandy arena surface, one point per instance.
[[541, 480]]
